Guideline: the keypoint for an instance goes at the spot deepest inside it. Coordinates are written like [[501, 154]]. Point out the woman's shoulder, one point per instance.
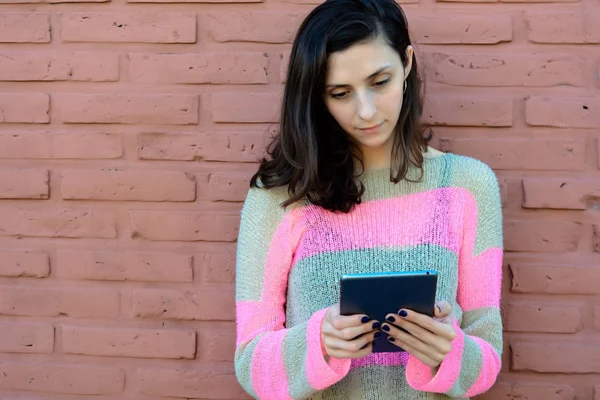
[[261, 199], [472, 174]]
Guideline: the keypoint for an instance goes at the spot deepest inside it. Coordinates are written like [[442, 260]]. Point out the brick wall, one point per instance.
[[128, 132]]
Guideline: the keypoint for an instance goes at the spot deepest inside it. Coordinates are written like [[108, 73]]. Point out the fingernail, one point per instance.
[[385, 328], [402, 313], [365, 319], [439, 309], [391, 339], [376, 325], [377, 334], [391, 319]]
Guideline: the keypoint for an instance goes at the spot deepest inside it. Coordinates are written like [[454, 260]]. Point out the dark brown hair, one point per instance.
[[312, 154]]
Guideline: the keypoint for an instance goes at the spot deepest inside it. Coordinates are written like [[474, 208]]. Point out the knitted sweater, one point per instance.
[[289, 262]]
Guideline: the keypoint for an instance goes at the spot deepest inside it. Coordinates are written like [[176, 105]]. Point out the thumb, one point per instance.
[[442, 310]]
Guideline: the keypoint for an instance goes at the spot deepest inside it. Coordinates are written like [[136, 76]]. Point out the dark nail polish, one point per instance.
[[385, 328], [376, 325], [391, 319], [391, 339], [365, 319], [377, 334], [402, 313]]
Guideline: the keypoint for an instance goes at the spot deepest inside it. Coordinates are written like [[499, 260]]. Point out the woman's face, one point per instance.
[[364, 92]]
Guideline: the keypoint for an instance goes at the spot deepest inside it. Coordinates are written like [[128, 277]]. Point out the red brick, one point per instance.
[[185, 226], [144, 343], [529, 391], [124, 266], [597, 318], [195, 1], [145, 185], [24, 184], [459, 29], [283, 69], [217, 146], [26, 338], [505, 69], [522, 154], [568, 276], [217, 304], [543, 317], [596, 237], [559, 193], [597, 392], [53, 1], [215, 68], [217, 345], [84, 303], [206, 380], [24, 264], [556, 357], [563, 27], [71, 379], [121, 27], [24, 28], [90, 67], [468, 111], [264, 27], [542, 236], [28, 108], [245, 107], [224, 186], [563, 112], [218, 268], [127, 108], [57, 145], [66, 223]]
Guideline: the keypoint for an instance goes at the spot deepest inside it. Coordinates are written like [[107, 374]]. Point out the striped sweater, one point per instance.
[[289, 262]]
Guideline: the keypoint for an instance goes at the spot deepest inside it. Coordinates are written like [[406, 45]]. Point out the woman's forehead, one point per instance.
[[359, 62]]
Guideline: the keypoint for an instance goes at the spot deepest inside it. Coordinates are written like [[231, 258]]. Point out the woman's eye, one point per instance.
[[338, 95], [381, 83]]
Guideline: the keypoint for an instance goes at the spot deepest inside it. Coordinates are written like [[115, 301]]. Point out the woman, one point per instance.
[[352, 186]]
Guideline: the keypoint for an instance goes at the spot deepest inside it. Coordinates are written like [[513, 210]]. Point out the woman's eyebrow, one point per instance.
[[374, 74]]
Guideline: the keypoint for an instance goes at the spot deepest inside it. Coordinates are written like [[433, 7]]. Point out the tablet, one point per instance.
[[380, 294]]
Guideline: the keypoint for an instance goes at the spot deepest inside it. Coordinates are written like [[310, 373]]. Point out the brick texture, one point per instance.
[[129, 131]]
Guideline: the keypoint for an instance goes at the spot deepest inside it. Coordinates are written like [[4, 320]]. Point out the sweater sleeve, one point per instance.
[[474, 362], [272, 362]]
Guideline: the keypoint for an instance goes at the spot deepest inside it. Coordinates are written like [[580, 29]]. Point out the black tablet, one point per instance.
[[380, 294]]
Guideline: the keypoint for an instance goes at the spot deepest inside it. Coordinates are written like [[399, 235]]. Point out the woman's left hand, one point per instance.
[[428, 339]]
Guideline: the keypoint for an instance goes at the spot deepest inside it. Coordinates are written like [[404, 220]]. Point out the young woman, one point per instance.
[[352, 186]]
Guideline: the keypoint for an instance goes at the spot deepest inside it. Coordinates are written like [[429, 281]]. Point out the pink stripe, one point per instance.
[[279, 260], [388, 359], [480, 280], [319, 373], [256, 317], [268, 375], [490, 368], [401, 221], [420, 377]]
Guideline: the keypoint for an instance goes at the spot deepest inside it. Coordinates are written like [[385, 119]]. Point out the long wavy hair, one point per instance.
[[312, 154]]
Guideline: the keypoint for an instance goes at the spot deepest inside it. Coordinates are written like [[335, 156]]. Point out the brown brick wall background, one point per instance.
[[128, 132]]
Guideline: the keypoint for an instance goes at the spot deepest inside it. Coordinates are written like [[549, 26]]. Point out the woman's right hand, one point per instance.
[[347, 336]]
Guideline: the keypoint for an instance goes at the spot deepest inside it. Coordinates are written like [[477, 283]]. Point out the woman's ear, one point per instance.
[[409, 56]]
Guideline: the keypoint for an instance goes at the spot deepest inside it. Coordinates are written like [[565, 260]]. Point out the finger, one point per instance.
[[438, 328], [404, 339], [341, 322], [442, 309], [354, 332], [350, 346], [438, 343]]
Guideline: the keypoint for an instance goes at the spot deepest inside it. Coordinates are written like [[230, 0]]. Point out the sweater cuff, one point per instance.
[[321, 374], [422, 377]]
